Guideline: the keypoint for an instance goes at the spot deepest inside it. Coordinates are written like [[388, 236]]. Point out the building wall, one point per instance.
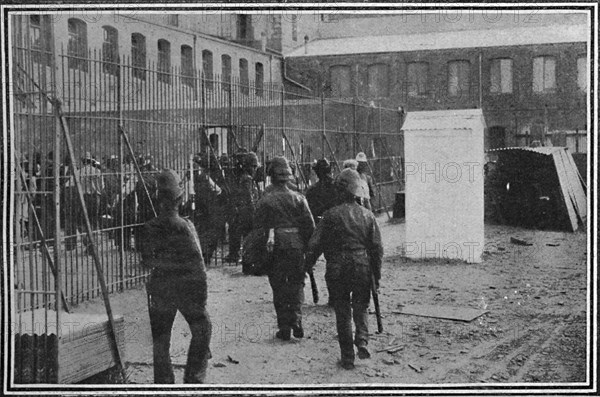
[[517, 112]]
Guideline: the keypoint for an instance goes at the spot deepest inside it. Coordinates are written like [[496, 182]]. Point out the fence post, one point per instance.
[[283, 117], [121, 208], [323, 124]]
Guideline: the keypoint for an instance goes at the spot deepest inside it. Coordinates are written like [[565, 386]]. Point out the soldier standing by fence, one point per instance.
[[243, 202], [170, 247], [206, 217], [287, 213], [350, 238]]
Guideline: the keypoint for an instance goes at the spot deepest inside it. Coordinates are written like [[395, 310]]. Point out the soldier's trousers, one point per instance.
[[211, 230], [348, 280], [287, 281], [167, 295]]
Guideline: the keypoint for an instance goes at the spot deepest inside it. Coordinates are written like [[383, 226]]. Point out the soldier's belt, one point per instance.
[[287, 229]]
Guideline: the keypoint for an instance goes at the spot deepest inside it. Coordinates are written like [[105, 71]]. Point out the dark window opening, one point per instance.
[[138, 55], [77, 45]]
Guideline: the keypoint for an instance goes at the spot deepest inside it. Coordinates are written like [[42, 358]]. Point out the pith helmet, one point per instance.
[[361, 157], [168, 184], [351, 182], [322, 165], [280, 169]]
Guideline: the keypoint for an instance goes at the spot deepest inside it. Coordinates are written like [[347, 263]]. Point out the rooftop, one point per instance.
[[551, 34]]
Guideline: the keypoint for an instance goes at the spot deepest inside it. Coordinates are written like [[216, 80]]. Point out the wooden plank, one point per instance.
[[445, 312]]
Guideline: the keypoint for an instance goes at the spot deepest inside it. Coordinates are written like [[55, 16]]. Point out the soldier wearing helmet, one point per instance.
[[243, 202], [169, 246], [284, 214], [322, 195], [349, 237]]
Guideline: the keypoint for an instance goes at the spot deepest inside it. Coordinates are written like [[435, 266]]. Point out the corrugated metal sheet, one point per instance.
[[445, 40], [545, 150]]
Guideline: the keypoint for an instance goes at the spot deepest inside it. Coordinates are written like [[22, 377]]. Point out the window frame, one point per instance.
[[77, 45], [226, 72], [259, 78], [459, 89], [41, 46], [207, 68], [339, 93], [163, 64], [384, 90], [500, 90], [187, 65], [425, 86], [544, 90], [110, 50], [244, 76], [138, 55]]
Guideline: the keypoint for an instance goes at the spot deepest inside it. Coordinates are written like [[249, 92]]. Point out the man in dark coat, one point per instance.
[[206, 216], [322, 195], [243, 202], [284, 215], [349, 237], [170, 247]]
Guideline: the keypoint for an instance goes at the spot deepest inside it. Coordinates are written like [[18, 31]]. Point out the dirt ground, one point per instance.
[[534, 332]]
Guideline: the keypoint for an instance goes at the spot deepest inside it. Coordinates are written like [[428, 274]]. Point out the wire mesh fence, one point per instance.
[[118, 111]]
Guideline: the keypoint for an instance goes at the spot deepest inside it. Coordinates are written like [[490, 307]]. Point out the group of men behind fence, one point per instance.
[[280, 226]]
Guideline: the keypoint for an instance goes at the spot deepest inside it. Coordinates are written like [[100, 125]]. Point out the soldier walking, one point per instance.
[[170, 247], [322, 195], [349, 237], [287, 213]]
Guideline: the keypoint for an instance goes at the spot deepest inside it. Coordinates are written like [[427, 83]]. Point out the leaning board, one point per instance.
[[84, 346]]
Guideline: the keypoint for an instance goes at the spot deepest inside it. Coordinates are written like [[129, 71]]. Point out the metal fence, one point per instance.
[[167, 115]]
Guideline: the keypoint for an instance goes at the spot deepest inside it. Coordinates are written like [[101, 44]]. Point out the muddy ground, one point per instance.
[[534, 332]]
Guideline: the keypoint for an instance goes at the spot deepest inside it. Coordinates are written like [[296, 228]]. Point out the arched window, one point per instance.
[[458, 78], [110, 50], [259, 78], [226, 71], [77, 45], [378, 80], [244, 78], [164, 61], [187, 65], [207, 68], [138, 55], [40, 33], [339, 75]]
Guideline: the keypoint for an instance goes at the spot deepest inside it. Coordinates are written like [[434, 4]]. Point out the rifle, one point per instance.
[[313, 286], [376, 303]]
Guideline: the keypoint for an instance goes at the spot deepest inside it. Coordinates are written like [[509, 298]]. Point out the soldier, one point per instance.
[[322, 195], [362, 168], [169, 246], [243, 203], [206, 217], [349, 237], [287, 213]]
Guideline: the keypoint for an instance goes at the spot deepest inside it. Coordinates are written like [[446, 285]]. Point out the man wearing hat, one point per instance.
[[322, 195], [362, 168], [285, 216], [243, 201], [349, 237], [170, 247]]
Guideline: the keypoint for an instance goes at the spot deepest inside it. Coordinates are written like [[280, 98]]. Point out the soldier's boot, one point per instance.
[[195, 372], [347, 361], [284, 334], [298, 330], [363, 352]]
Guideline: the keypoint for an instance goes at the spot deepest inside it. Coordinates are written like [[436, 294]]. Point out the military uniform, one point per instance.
[[322, 195], [243, 201], [349, 237], [206, 217], [288, 214], [170, 247]]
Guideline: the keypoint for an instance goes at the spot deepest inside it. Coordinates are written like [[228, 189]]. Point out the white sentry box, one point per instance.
[[444, 185]]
